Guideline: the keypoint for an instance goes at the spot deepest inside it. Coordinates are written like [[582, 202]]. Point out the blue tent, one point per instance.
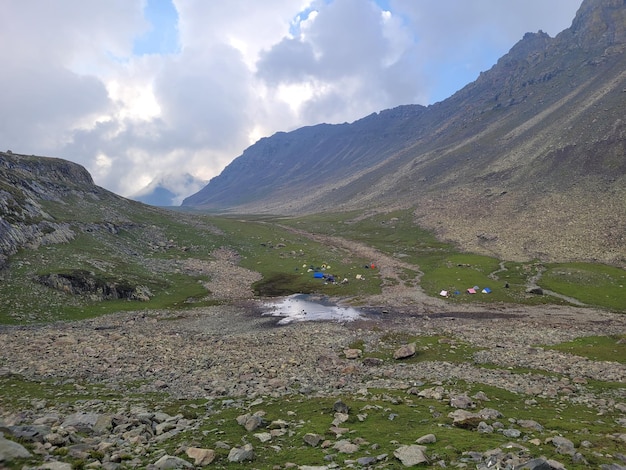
[[486, 290], [318, 275]]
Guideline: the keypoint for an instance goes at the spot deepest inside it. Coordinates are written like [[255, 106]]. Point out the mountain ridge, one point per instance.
[[536, 142]]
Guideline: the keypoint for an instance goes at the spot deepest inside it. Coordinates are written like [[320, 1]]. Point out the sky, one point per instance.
[[138, 90]]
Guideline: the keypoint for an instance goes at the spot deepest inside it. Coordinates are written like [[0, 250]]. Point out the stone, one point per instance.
[[312, 439], [241, 454], [170, 461], [365, 461], [82, 422], [427, 439], [353, 353], [250, 422], [340, 418], [340, 407], [201, 457], [563, 445], [411, 455], [55, 466], [465, 419], [29, 433], [434, 393], [405, 351], [541, 464], [511, 433], [10, 450], [263, 436], [461, 401], [372, 361], [55, 439], [103, 424], [345, 447], [530, 424], [484, 428]]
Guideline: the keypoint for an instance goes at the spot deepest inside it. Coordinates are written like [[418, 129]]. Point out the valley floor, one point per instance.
[[232, 351]]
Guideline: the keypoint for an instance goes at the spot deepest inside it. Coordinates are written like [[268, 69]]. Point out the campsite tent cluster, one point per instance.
[[470, 290], [320, 272]]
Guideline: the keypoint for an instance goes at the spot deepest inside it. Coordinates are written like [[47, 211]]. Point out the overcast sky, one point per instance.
[[137, 89]]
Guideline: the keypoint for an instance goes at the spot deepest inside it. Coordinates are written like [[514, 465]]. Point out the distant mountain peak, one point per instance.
[[169, 189]]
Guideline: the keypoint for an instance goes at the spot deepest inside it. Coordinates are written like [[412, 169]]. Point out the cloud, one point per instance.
[[96, 83]]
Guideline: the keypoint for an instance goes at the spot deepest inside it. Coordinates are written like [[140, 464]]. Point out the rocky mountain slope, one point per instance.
[[26, 184], [526, 162]]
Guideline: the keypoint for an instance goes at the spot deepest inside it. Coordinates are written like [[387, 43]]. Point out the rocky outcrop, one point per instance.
[[80, 282], [27, 184]]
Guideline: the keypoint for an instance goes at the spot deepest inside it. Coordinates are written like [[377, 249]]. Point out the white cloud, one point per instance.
[[72, 88]]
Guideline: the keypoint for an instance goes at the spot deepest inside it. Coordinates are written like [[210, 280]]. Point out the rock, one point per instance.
[[427, 439], [529, 423], [55, 466], [366, 461], [312, 439], [340, 418], [103, 424], [563, 445], [405, 351], [340, 407], [82, 422], [345, 447], [465, 419], [462, 401], [372, 361], [411, 455], [434, 393], [169, 461], [10, 450], [250, 422], [484, 428], [353, 353], [541, 464], [29, 433], [55, 439], [241, 454], [263, 436], [201, 457], [511, 433], [489, 413]]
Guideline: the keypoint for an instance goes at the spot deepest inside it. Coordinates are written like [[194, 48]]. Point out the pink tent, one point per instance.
[[471, 290]]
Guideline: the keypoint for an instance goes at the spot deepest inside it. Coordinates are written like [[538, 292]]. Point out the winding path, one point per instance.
[[396, 289]]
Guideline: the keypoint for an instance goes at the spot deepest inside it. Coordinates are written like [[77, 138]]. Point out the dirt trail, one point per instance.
[[397, 290]]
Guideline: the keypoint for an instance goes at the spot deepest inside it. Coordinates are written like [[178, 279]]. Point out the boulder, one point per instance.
[[345, 447], [169, 461], [241, 454], [313, 439], [353, 353], [10, 450], [411, 455], [427, 439], [82, 422], [405, 351], [201, 457], [340, 407]]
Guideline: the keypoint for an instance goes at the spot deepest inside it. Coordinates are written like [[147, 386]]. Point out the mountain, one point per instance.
[[526, 162], [27, 184], [169, 190]]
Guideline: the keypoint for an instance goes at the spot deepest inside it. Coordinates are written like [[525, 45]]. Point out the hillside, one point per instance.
[[526, 162]]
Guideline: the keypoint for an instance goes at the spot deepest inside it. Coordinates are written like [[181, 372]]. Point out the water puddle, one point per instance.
[[305, 307]]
